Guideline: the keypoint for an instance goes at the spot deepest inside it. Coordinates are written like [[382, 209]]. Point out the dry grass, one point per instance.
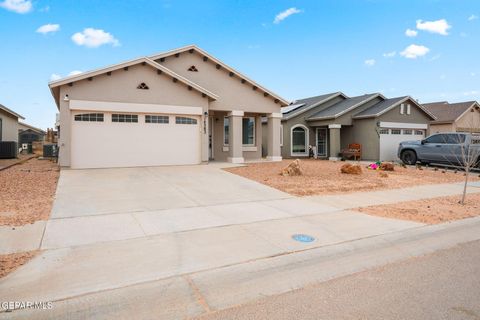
[[430, 211], [323, 177], [27, 192], [10, 262]]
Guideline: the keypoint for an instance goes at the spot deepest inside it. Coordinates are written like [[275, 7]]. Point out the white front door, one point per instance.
[[391, 138], [107, 140], [321, 137]]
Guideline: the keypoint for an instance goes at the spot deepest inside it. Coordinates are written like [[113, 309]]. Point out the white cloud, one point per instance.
[[370, 62], [18, 6], [47, 28], [472, 17], [75, 72], [93, 38], [439, 26], [285, 14], [411, 33], [55, 76], [414, 51], [390, 54], [471, 93]]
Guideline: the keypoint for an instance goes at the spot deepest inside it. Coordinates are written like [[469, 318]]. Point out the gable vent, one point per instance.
[[142, 86], [193, 69]]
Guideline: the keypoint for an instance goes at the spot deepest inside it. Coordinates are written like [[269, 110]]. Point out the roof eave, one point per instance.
[[316, 104]]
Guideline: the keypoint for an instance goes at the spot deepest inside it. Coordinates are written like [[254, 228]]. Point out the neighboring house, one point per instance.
[[29, 134], [9, 124], [454, 117], [175, 108], [331, 122]]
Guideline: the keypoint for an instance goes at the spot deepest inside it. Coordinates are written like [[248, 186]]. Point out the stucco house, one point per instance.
[[174, 108], [454, 117], [29, 134], [331, 122], [9, 124]]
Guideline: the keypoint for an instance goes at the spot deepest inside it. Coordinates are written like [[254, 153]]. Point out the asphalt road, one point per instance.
[[444, 285]]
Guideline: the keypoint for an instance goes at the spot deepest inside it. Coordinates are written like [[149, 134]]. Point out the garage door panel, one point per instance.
[[107, 144], [389, 142]]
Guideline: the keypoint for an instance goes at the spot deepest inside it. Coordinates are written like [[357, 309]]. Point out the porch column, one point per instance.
[[235, 152], [334, 130], [273, 142]]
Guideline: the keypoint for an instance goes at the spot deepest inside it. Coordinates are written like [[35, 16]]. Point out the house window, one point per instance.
[[396, 131], [125, 118], [299, 140], [408, 108], [1, 129], [419, 132], [92, 117], [407, 131], [185, 120], [156, 119], [248, 131], [383, 131], [226, 122], [281, 135]]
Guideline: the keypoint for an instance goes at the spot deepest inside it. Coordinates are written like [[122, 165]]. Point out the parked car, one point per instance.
[[441, 148]]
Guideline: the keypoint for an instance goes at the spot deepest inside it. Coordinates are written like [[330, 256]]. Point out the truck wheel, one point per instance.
[[409, 157]]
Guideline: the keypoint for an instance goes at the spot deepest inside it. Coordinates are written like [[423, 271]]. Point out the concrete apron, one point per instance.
[[197, 293]]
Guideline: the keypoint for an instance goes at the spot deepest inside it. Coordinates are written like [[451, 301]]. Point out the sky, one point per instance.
[[428, 49]]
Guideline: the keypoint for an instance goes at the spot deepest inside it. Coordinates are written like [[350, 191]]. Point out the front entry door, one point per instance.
[[322, 142], [210, 138]]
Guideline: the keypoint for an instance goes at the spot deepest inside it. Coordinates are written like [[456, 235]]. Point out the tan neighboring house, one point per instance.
[[454, 117], [179, 107], [9, 124]]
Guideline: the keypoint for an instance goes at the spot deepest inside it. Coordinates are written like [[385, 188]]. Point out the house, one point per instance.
[[453, 117], [330, 122], [179, 107], [9, 124], [29, 134]]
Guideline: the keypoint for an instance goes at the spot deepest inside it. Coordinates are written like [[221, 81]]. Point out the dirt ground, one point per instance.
[[430, 211], [10, 262], [323, 177], [27, 192], [21, 157]]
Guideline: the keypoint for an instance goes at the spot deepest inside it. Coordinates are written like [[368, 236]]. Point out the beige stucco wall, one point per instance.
[[233, 94], [121, 86], [9, 127]]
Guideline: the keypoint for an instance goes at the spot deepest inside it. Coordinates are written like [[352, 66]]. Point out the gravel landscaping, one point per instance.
[[28, 190], [322, 177], [429, 211]]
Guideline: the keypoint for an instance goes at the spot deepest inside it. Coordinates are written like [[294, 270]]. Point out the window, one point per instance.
[[225, 130], [455, 138], [407, 131], [408, 108], [419, 132], [396, 131], [124, 118], [185, 120], [299, 140], [281, 135], [248, 131], [156, 119], [437, 138], [92, 117], [1, 129], [383, 131], [142, 86], [402, 108]]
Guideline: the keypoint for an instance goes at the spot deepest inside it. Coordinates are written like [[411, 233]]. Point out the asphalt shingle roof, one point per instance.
[[340, 107], [307, 102], [447, 112], [380, 107], [2, 107]]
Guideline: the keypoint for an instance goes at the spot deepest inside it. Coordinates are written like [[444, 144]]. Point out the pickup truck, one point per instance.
[[441, 148]]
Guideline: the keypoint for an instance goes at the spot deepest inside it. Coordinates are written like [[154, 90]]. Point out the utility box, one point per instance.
[[50, 150], [8, 149]]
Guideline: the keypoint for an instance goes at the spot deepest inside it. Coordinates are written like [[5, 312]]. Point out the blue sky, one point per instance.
[[295, 48]]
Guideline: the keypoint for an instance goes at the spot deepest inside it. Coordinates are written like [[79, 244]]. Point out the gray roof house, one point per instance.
[[9, 124], [330, 122], [454, 117]]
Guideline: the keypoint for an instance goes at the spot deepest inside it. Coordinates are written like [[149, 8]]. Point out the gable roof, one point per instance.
[[448, 112], [386, 105], [343, 107], [303, 105], [9, 111], [221, 63], [55, 85], [27, 126]]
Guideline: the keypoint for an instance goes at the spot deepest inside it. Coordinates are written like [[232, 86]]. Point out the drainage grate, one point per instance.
[[303, 238]]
